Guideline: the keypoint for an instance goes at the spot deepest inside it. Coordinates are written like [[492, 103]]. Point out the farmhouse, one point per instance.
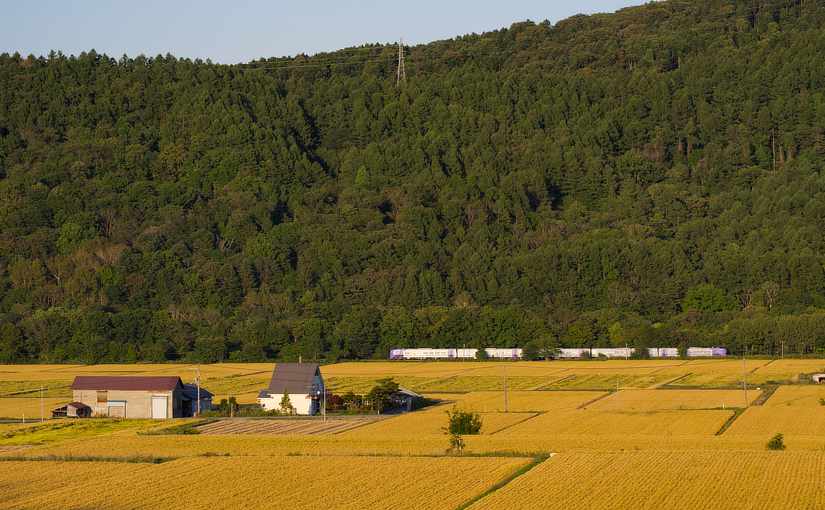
[[135, 397], [301, 381]]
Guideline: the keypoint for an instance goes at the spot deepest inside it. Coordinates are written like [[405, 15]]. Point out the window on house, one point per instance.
[[102, 397]]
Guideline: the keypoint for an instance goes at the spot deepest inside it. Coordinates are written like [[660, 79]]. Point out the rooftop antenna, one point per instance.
[[401, 71]]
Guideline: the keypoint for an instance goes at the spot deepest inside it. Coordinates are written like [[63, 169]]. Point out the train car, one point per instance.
[[565, 353]]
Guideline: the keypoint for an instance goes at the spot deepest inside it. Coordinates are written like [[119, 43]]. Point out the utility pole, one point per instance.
[[506, 403], [401, 70], [197, 370], [745, 379]]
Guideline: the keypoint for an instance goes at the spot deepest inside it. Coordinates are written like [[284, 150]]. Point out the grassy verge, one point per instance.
[[58, 430], [134, 459], [182, 429], [737, 412]]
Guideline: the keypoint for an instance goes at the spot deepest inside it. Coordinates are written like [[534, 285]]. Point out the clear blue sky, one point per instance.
[[230, 31]]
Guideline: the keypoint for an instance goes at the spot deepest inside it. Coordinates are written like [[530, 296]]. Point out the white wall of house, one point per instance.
[[303, 404]]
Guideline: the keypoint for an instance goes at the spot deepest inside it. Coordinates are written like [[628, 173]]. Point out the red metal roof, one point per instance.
[[126, 383]]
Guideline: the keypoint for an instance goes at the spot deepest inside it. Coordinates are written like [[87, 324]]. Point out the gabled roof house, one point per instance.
[[301, 381]]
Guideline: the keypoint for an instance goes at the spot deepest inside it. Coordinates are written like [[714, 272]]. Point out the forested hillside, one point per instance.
[[649, 177]]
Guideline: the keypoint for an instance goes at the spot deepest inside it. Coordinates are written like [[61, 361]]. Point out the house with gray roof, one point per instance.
[[301, 381]]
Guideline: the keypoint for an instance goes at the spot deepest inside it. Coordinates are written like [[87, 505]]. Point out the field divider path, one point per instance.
[[668, 385], [503, 483], [594, 400], [560, 380], [532, 414], [737, 412]]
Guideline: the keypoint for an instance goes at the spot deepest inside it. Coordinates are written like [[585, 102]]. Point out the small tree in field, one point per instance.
[[456, 444], [777, 442], [286, 404], [461, 423]]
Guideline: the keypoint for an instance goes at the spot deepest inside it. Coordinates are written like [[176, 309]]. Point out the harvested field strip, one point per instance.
[[279, 427]]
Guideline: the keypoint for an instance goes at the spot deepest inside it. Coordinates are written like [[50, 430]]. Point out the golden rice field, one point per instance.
[[798, 396], [672, 480], [788, 420], [593, 423], [659, 400], [295, 482], [520, 401], [431, 422], [625, 434], [28, 407]]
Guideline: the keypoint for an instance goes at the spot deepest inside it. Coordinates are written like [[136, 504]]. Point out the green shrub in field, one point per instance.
[[463, 422], [777, 442]]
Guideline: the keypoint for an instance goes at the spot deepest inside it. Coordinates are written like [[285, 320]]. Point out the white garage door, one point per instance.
[[159, 407]]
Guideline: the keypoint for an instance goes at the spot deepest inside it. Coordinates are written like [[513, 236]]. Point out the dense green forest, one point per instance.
[[649, 177]]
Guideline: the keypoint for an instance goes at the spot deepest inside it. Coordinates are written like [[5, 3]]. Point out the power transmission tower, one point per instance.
[[401, 71]]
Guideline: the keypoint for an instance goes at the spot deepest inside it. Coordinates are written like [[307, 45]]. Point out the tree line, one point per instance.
[[646, 178]]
